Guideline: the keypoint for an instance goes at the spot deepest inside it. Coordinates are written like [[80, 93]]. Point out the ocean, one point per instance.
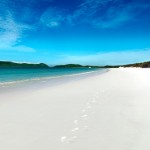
[[9, 76]]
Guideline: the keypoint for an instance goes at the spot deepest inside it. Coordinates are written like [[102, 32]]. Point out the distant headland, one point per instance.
[[141, 65], [9, 64]]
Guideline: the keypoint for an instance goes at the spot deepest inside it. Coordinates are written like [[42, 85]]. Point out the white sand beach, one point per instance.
[[109, 111]]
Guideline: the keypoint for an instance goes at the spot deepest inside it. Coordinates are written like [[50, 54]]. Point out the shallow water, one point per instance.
[[12, 75]]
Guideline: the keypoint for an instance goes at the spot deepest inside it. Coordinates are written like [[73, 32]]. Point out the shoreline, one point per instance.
[[37, 83]]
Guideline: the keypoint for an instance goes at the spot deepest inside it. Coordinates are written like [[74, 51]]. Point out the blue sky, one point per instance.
[[94, 32]]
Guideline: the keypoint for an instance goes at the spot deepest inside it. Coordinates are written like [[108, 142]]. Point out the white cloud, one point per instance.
[[11, 34], [54, 24], [52, 17], [108, 58]]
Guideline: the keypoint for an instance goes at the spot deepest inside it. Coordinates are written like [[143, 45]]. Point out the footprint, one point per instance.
[[76, 122], [63, 139], [85, 117], [83, 120], [75, 129], [88, 105]]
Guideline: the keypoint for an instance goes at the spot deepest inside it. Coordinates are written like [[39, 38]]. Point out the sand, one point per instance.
[[109, 111]]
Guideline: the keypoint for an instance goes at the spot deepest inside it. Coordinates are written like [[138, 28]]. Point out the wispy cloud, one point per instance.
[[52, 17], [11, 30], [27, 11], [11, 33], [98, 13], [108, 13], [108, 58]]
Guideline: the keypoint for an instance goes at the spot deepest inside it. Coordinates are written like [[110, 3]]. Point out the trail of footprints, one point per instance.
[[80, 125]]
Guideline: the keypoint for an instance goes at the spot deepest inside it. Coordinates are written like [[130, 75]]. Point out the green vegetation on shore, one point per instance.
[[141, 65], [9, 64], [74, 66]]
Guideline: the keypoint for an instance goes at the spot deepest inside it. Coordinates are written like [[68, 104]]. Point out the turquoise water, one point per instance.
[[12, 75]]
